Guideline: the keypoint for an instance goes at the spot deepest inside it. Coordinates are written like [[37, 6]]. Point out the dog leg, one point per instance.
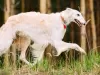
[[22, 57], [25, 42], [38, 52], [63, 46]]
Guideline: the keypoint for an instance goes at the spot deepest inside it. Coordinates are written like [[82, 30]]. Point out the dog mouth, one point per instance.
[[78, 23]]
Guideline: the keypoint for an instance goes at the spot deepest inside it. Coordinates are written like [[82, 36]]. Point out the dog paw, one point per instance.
[[54, 52], [83, 51]]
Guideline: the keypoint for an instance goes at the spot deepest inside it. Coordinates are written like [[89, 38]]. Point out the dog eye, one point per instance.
[[78, 14]]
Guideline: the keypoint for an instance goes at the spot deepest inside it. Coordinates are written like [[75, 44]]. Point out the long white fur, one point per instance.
[[43, 29]]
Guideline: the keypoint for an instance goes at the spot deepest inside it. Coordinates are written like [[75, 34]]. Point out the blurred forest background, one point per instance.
[[89, 8]]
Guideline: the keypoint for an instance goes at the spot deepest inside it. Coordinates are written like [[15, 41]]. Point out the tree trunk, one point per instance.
[[48, 6], [72, 52], [83, 30], [98, 22], [7, 9], [88, 28], [9, 6], [83, 38], [43, 6], [6, 15], [93, 26], [23, 5], [13, 49]]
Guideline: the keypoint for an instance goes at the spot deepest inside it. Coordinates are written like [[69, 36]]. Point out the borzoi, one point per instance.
[[42, 29]]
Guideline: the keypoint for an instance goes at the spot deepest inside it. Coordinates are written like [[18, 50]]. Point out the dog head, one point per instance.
[[71, 15]]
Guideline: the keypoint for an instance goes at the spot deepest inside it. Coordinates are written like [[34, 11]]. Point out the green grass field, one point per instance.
[[90, 65]]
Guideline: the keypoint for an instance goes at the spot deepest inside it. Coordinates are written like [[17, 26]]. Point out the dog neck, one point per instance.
[[64, 22]]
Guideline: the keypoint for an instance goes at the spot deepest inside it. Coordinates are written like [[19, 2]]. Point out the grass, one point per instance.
[[89, 66]]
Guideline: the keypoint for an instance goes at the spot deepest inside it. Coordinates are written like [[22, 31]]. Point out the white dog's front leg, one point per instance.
[[63, 46]]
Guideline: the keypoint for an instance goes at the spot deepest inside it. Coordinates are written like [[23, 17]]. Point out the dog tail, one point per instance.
[[6, 38]]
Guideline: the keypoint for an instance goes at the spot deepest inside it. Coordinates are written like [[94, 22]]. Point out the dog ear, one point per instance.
[[68, 9]]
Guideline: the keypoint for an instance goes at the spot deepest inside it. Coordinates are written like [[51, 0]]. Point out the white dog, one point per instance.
[[42, 29]]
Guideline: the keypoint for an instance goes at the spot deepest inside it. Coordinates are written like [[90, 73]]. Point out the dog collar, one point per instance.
[[64, 23], [64, 26]]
